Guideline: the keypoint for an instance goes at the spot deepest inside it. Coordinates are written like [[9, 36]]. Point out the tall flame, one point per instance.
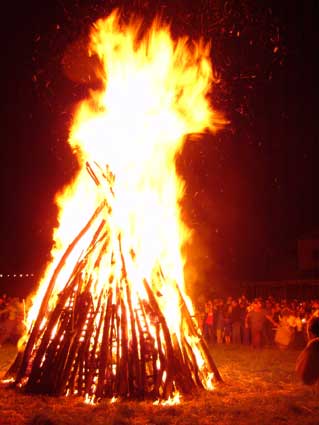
[[155, 92]]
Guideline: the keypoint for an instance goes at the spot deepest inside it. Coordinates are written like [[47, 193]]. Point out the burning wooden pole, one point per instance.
[[110, 346]]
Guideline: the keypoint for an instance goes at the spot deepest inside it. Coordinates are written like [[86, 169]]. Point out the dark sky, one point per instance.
[[251, 189]]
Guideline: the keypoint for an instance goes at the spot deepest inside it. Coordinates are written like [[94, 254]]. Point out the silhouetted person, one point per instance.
[[255, 320], [307, 365], [236, 322]]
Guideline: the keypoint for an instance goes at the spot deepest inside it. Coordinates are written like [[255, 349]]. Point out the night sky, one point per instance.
[[251, 188]]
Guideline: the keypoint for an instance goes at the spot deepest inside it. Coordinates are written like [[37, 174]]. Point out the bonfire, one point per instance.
[[111, 317]]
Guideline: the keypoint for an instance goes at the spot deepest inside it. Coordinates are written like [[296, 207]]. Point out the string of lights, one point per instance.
[[16, 275]]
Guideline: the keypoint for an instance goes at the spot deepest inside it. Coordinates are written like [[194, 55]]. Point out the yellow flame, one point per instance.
[[7, 381], [171, 401], [155, 92], [208, 384], [89, 399]]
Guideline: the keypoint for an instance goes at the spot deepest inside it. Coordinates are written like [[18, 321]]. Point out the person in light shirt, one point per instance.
[[285, 329]]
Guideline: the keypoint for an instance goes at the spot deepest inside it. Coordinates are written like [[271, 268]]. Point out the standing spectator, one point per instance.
[[315, 308], [276, 314], [301, 328], [200, 316], [235, 322], [284, 331], [307, 365], [209, 322], [269, 326], [10, 322], [219, 321], [227, 323], [245, 332], [255, 320]]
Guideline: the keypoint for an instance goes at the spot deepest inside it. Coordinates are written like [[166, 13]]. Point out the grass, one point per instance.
[[260, 388]]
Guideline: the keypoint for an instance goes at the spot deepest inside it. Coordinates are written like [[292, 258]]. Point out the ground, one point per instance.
[[260, 388]]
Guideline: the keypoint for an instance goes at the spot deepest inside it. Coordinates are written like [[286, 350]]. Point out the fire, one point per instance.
[[126, 137], [171, 401]]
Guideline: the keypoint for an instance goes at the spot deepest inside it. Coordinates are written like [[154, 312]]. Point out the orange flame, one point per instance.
[[155, 92], [171, 401]]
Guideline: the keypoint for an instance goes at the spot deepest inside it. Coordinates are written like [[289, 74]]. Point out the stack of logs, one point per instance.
[[104, 344]]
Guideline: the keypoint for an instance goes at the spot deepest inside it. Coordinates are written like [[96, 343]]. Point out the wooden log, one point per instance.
[[56, 361], [149, 351], [142, 367], [114, 344], [106, 175], [163, 364], [15, 366], [36, 327], [190, 358], [93, 361], [202, 345], [134, 367], [182, 377], [83, 353], [132, 342], [168, 384], [83, 306], [36, 370], [123, 382], [56, 354], [103, 360], [88, 356]]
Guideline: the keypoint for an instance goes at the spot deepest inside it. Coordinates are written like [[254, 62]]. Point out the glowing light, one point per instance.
[[7, 381], [127, 135], [89, 399], [171, 401]]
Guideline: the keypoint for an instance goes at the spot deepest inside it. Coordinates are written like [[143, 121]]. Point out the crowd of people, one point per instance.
[[12, 312], [259, 322]]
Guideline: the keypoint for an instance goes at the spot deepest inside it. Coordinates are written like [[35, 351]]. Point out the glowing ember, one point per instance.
[[171, 401], [111, 317], [89, 399]]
